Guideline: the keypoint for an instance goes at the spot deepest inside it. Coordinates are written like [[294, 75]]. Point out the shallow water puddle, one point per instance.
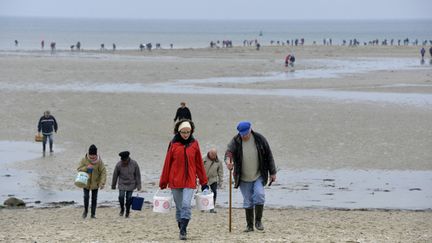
[[341, 188], [11, 151], [353, 189], [411, 99], [319, 68], [19, 183]]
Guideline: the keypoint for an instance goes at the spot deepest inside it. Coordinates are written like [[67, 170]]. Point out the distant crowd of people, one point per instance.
[[229, 43], [353, 42], [225, 44]]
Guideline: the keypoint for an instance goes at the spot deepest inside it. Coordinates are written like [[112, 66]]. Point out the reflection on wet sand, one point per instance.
[[341, 189], [334, 68]]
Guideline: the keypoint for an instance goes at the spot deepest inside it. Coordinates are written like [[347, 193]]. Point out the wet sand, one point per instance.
[[305, 132]]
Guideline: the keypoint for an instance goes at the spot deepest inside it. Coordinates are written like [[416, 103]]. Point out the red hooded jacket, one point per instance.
[[183, 163]]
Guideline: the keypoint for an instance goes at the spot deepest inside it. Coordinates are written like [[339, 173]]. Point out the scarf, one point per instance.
[[95, 161], [179, 138]]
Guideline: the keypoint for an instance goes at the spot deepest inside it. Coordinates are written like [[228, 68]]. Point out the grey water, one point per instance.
[[336, 68], [10, 152], [129, 33], [309, 188]]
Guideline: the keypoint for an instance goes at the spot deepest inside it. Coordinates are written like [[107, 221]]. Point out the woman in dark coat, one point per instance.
[[128, 174]]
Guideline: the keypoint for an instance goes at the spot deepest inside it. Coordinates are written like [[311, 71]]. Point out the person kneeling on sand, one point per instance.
[[93, 165], [128, 174], [183, 164], [289, 60]]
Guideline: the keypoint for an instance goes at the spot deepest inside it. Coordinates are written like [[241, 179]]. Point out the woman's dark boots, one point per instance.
[[93, 205], [86, 205], [121, 201], [128, 206], [249, 219], [258, 215], [93, 211], [183, 229]]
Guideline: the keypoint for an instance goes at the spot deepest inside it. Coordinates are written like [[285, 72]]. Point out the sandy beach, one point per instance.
[[363, 108], [294, 225]]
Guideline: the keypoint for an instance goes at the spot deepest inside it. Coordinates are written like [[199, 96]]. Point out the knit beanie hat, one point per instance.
[[124, 155], [92, 150], [184, 124]]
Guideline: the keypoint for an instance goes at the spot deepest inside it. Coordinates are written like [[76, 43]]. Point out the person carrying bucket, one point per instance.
[[93, 165], [128, 174], [249, 154], [214, 171], [183, 164]]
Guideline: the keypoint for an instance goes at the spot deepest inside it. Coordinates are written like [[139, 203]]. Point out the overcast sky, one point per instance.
[[220, 9]]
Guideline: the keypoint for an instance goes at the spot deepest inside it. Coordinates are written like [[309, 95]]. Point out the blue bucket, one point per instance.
[[137, 203]]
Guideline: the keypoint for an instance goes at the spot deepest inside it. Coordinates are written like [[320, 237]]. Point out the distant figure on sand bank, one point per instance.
[[183, 112], [53, 47], [289, 60], [430, 53], [47, 125], [183, 165], [128, 174], [93, 165], [422, 52]]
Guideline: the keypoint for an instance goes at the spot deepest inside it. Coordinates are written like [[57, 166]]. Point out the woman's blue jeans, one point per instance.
[[183, 199]]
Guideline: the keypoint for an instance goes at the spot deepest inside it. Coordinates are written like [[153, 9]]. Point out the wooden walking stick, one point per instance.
[[230, 199]]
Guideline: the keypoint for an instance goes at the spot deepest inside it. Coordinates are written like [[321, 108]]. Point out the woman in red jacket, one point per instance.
[[183, 164]]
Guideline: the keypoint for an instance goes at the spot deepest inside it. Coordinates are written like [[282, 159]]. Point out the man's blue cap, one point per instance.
[[243, 128]]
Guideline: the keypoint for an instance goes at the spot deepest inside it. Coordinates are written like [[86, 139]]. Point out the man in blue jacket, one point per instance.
[[47, 125]]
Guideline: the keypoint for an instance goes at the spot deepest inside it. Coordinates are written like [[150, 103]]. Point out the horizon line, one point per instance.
[[221, 19]]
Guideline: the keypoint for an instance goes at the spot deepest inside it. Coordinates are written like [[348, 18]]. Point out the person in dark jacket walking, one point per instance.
[[183, 113], [250, 156], [128, 174], [47, 125], [183, 165]]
